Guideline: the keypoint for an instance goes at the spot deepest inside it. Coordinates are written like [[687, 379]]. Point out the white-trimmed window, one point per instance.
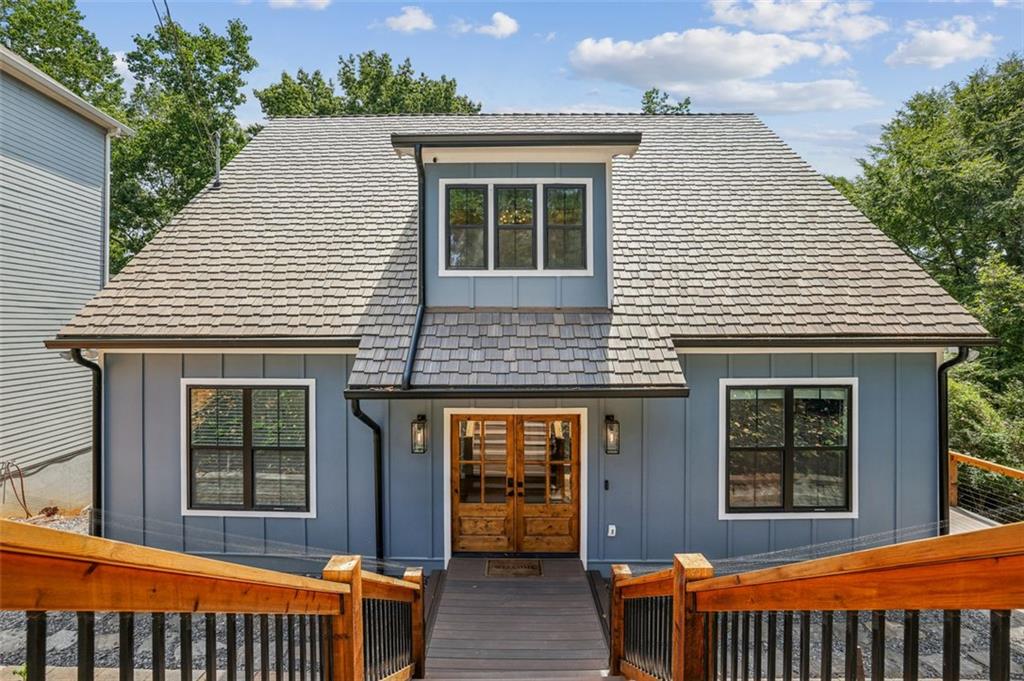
[[788, 448], [248, 447], [515, 226]]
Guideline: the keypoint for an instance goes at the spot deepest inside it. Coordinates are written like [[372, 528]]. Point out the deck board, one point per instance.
[[516, 627]]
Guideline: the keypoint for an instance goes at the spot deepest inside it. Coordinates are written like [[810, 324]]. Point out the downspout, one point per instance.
[[378, 480], [961, 357], [421, 288], [96, 517]]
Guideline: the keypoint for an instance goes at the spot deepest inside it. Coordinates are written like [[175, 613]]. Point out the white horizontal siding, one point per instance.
[[51, 251]]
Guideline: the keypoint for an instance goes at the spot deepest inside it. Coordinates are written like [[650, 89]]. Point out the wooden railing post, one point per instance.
[[953, 479], [689, 635], [616, 631], [419, 641], [346, 644]]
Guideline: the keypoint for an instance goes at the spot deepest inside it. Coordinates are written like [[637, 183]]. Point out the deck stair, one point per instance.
[[540, 627]]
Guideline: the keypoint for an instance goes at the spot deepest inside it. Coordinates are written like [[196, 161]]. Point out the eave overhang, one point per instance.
[[519, 392], [464, 147], [835, 341], [199, 342]]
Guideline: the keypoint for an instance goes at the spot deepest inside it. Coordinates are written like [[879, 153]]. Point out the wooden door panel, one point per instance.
[[548, 460], [483, 464]]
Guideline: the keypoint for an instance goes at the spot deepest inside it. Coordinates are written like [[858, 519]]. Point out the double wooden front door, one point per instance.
[[515, 483]]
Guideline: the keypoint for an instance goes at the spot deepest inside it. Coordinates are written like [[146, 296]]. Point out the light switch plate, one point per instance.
[[611, 530]]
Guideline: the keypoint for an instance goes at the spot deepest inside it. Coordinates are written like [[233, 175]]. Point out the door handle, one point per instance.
[[509, 489]]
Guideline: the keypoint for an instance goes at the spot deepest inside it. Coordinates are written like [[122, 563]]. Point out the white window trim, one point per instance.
[[447, 462], [852, 381], [490, 183], [310, 384]]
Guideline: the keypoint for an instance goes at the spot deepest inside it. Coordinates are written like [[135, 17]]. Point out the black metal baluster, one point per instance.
[[878, 645], [773, 633], [278, 648], [211, 646], [787, 646], [805, 646], [264, 648], [126, 646], [711, 636], [999, 646], [232, 642], [850, 656], [86, 646], [327, 660], [185, 637], [757, 646], [159, 648], [951, 645], [724, 652], [826, 646], [291, 647], [302, 648], [735, 645], [35, 645], [312, 647], [911, 638], [249, 647], [746, 645]]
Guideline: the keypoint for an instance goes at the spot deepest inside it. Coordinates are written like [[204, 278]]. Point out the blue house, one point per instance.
[[608, 336]]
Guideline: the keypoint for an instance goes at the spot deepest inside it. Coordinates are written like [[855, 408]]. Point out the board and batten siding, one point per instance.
[[662, 491], [52, 250]]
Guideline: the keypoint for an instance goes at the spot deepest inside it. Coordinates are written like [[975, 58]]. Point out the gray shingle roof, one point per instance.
[[721, 232], [571, 349]]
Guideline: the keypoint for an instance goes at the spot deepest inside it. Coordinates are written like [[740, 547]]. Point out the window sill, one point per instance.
[[226, 513], [799, 515]]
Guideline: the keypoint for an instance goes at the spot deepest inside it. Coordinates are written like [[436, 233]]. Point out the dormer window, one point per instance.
[[515, 222], [565, 234], [467, 227], [516, 227]]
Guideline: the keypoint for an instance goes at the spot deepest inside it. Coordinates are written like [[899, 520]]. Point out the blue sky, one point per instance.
[[823, 74]]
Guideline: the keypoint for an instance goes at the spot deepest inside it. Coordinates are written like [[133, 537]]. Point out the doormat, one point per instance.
[[513, 567]]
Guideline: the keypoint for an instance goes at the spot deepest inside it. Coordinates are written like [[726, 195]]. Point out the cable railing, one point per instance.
[[986, 488], [824, 618], [350, 625]]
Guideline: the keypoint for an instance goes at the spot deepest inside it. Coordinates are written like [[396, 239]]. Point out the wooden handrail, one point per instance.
[[388, 588], [46, 569], [976, 570], [957, 457]]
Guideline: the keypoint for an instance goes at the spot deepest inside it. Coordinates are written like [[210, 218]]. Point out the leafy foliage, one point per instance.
[[946, 182], [49, 33], [188, 85], [655, 101], [370, 84], [307, 94]]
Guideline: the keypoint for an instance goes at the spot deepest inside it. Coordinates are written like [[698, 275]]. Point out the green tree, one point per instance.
[[369, 83], [946, 180], [50, 34], [307, 94], [655, 101], [188, 86]]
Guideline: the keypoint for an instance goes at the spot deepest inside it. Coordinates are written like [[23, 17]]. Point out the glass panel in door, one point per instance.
[[482, 496]]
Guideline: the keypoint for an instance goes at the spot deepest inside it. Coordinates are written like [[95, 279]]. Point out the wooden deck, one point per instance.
[[543, 627], [961, 521]]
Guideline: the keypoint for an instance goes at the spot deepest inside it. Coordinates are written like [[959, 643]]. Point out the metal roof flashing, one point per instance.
[[456, 148]]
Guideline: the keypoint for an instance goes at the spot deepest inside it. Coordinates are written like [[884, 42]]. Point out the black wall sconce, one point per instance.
[[611, 435], [419, 434]]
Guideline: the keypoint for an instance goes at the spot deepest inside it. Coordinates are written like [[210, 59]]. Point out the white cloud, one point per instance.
[[411, 19], [581, 107], [546, 37], [957, 39], [121, 66], [1000, 3], [700, 53], [501, 26], [836, 21], [718, 68], [288, 4]]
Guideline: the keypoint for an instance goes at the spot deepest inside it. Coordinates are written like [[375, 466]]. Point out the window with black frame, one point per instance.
[[788, 448], [248, 448], [466, 227], [565, 233], [515, 223]]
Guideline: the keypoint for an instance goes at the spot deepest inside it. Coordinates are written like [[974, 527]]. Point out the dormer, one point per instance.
[[518, 220]]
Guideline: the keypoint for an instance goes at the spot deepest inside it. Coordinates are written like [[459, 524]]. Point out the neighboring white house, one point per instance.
[[54, 196]]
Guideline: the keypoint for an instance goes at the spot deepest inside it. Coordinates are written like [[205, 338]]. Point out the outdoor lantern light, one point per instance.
[[419, 435], [611, 435]]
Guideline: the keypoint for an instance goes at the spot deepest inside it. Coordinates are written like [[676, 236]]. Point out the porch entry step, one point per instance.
[[537, 627]]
